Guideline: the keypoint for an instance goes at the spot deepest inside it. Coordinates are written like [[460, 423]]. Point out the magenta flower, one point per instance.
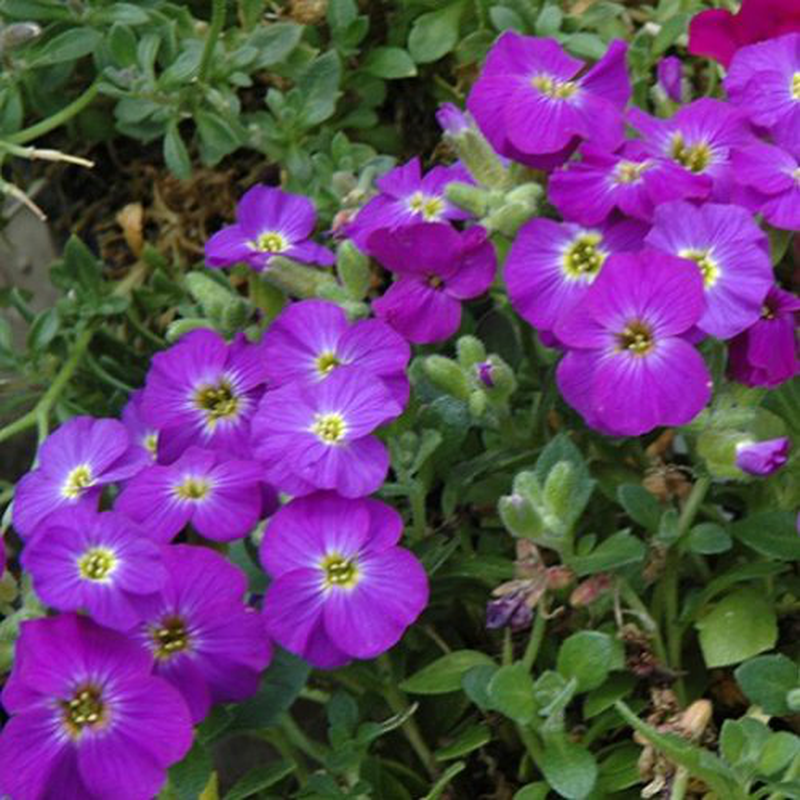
[[452, 120], [142, 434], [670, 77], [341, 588], [98, 562], [407, 198], [532, 101], [552, 264], [773, 176], [763, 458], [437, 268], [631, 181], [719, 34], [205, 641], [731, 252], [764, 81], [312, 338], [766, 353], [631, 369], [269, 223], [75, 462], [219, 496], [203, 392], [88, 720], [317, 436]]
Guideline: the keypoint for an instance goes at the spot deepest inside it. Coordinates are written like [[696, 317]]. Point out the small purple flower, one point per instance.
[[75, 462], [670, 77], [142, 434], [530, 100], [484, 372], [203, 392], [551, 265], [269, 223], [219, 496], [766, 353], [88, 720], [631, 370], [773, 176], [312, 338], [407, 198], [630, 180], [731, 252], [341, 588], [764, 81], [317, 436], [98, 562], [205, 641], [437, 268], [763, 458], [452, 120], [511, 610]]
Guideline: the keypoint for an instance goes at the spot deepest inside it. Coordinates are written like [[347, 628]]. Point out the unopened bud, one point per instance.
[[212, 296], [469, 197], [559, 488], [448, 376], [695, 719], [519, 516], [470, 351], [588, 591], [477, 403], [559, 578], [180, 327], [353, 269], [510, 218], [479, 158]]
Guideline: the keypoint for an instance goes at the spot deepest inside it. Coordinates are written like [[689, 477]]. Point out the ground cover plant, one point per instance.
[[417, 417]]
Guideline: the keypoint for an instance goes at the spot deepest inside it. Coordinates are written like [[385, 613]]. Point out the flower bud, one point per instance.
[[510, 218], [519, 516], [559, 578], [180, 327], [558, 489], [590, 590], [212, 296], [470, 198], [470, 351], [477, 403], [762, 458], [352, 266], [448, 376]]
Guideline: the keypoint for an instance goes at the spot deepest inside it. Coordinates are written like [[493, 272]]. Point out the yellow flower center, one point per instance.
[[271, 242], [170, 638], [97, 564], [218, 402], [330, 428], [79, 479], [553, 88], [150, 443], [193, 488], [340, 572], [796, 86], [708, 266], [636, 338], [327, 363], [583, 258], [630, 171], [429, 206], [85, 710], [694, 157]]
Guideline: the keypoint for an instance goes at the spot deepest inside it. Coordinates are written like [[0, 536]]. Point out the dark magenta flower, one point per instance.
[[75, 462], [101, 563], [766, 353], [221, 497], [142, 434], [269, 223], [670, 77], [630, 368], [312, 338], [763, 458], [317, 435], [719, 34], [203, 392], [437, 268], [205, 641], [531, 99], [731, 252], [88, 719], [408, 197], [551, 265], [764, 81], [341, 588]]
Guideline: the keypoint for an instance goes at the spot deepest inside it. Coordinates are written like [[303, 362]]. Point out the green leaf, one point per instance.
[[189, 777], [669, 33], [533, 791], [602, 698], [341, 14], [741, 742], [444, 675], [441, 784], [68, 46], [708, 538], [260, 778], [740, 626], [586, 656], [766, 680], [475, 684], [506, 19], [176, 156], [771, 533], [275, 42], [779, 751], [511, 692], [122, 44], [640, 505], [471, 739], [435, 34], [571, 770], [548, 23], [617, 551], [217, 138], [390, 62], [43, 329], [319, 88]]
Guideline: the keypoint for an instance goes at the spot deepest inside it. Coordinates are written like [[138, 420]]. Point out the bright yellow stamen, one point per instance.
[[583, 258], [340, 572], [150, 443], [85, 710], [429, 206], [271, 242], [79, 479], [97, 564], [694, 157], [170, 638], [192, 488], [553, 88], [218, 402], [636, 338], [708, 266], [327, 362], [630, 171], [796, 86], [330, 428]]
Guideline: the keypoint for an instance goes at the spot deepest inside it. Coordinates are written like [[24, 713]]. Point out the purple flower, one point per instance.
[[670, 76], [341, 588], [762, 458], [699, 138], [530, 100], [407, 198], [75, 461], [317, 436], [312, 338], [766, 353], [631, 369], [551, 265], [88, 718], [731, 252], [269, 223], [437, 268], [203, 392], [219, 496], [205, 641], [102, 563], [764, 80], [452, 119], [773, 176], [142, 434]]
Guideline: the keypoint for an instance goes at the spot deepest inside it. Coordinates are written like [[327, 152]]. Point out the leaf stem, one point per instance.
[[57, 119], [217, 21], [536, 637]]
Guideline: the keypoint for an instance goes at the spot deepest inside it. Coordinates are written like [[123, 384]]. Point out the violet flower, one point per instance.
[[670, 77], [762, 458], [341, 588], [88, 720], [141, 433]]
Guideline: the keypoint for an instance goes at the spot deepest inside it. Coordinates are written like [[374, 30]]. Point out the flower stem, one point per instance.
[[536, 637], [57, 119], [217, 21]]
